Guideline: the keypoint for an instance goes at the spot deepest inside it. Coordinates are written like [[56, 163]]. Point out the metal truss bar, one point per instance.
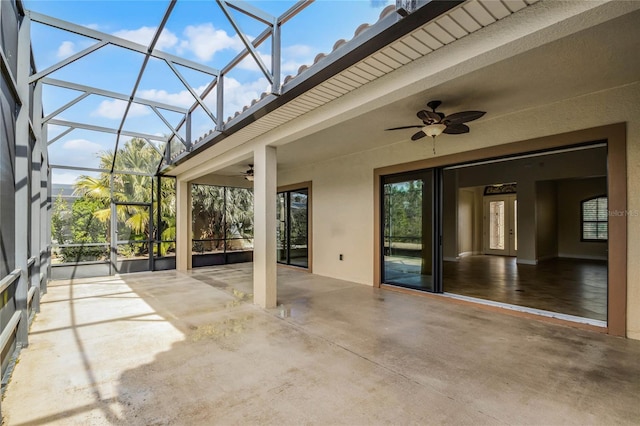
[[252, 11], [248, 45], [217, 82], [175, 134], [286, 16], [380, 34], [97, 170], [190, 89], [220, 103], [65, 106], [110, 94], [153, 146], [6, 70], [117, 41], [60, 136], [293, 11], [276, 44], [76, 125], [9, 279], [147, 56], [256, 42], [9, 329], [82, 169], [69, 60]]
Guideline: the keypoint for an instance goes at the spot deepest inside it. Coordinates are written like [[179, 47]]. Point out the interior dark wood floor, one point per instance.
[[569, 286]]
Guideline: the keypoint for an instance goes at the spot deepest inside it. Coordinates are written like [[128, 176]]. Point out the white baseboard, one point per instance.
[[468, 253], [527, 261], [450, 259]]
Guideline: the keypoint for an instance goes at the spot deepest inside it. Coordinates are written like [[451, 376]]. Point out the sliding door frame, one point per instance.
[[615, 135], [296, 187]]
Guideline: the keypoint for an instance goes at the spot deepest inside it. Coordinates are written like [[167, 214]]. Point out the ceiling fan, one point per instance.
[[435, 123], [248, 175]]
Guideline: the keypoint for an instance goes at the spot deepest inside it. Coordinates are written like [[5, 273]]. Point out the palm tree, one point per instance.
[[135, 156]]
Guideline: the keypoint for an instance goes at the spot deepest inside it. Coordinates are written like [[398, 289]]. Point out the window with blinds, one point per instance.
[[594, 215]]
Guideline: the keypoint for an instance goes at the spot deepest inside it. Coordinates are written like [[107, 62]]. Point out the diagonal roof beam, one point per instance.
[[286, 16], [84, 126], [248, 45], [117, 41], [69, 60], [193, 92], [166, 122], [65, 107], [147, 56], [282, 19], [61, 135], [110, 94]]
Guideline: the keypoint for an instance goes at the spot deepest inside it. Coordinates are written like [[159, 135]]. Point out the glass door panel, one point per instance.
[[408, 230], [292, 233], [500, 225], [132, 234], [298, 238], [281, 230]]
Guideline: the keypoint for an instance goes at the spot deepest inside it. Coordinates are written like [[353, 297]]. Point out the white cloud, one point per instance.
[[66, 49], [205, 41], [293, 57], [81, 146], [181, 99], [250, 64], [68, 178], [114, 109], [144, 35], [238, 95], [297, 50]]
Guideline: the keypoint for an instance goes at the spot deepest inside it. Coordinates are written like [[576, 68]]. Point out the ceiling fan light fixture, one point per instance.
[[434, 130], [249, 178]]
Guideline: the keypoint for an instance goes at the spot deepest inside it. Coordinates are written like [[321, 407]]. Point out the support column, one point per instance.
[[45, 211], [264, 227], [183, 225], [34, 278], [21, 171]]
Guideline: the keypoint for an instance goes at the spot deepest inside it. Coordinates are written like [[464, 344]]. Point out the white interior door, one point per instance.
[[500, 225]]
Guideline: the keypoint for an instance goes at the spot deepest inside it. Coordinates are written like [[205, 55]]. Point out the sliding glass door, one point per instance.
[[409, 225], [293, 227]]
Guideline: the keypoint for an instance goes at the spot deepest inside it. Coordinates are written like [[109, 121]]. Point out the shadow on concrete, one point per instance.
[[174, 348]]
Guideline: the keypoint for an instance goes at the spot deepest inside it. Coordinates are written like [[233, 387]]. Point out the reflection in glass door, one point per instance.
[[408, 224], [131, 236], [292, 233]]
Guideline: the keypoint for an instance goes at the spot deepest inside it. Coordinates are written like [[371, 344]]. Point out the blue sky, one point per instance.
[[198, 31]]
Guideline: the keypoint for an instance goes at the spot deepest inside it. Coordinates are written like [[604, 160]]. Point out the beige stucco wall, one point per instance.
[[343, 187]]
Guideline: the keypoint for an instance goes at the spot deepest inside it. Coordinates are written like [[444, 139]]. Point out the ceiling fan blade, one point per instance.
[[456, 129], [406, 127], [418, 135], [428, 116], [464, 116]]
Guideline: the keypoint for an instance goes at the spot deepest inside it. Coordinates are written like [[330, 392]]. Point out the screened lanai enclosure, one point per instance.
[[106, 138], [95, 111]]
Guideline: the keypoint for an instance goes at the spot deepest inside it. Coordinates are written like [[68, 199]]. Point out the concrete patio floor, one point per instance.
[[169, 348]]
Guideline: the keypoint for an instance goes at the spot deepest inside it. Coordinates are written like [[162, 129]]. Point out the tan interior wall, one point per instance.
[[570, 194], [546, 220], [466, 201]]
